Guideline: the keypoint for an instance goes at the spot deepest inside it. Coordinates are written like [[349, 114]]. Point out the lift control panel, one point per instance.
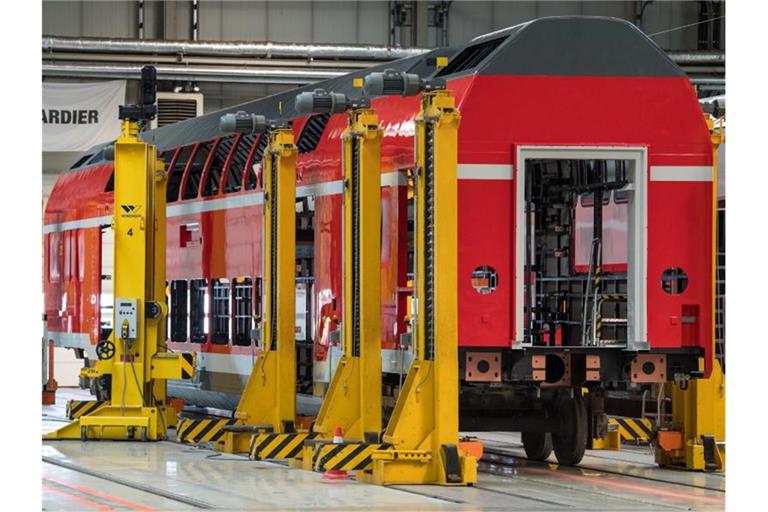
[[126, 318]]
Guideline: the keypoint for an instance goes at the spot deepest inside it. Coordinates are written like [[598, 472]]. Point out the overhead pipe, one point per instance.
[[267, 49], [51, 44], [697, 57], [261, 75]]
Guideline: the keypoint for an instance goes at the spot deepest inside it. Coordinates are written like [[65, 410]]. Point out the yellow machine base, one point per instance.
[[692, 457], [343, 456], [234, 442], [270, 446], [77, 408], [206, 430], [114, 423], [393, 467]]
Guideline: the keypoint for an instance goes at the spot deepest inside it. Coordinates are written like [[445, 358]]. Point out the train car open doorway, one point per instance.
[[580, 234]]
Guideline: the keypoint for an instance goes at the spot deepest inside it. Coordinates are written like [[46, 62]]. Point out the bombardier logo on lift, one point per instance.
[[130, 211]]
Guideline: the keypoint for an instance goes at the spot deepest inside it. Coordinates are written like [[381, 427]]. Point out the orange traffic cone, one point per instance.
[[336, 474]]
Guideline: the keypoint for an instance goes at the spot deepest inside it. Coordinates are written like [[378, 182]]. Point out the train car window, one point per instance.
[[312, 133], [198, 318], [67, 256], [97, 157], [220, 311], [239, 160], [176, 173], [471, 56], [167, 157], [110, 187], [54, 250], [196, 170], [218, 160], [242, 301], [485, 279], [674, 281], [258, 156], [178, 313], [81, 161]]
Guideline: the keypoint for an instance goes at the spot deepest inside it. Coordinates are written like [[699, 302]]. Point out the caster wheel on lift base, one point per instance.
[[537, 445], [570, 442], [144, 436], [83, 433]]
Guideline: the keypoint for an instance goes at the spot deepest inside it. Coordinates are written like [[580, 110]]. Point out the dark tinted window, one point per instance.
[[258, 156], [242, 302], [111, 182], [239, 160], [312, 132], [470, 57], [220, 311], [198, 325], [178, 311], [81, 161], [217, 166], [167, 156], [196, 170], [175, 174]]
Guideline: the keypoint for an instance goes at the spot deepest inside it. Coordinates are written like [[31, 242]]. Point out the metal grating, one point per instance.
[[173, 110]]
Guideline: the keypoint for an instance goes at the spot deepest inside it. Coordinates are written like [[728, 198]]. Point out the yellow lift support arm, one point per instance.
[[353, 401], [695, 439], [135, 354], [268, 404], [424, 427]]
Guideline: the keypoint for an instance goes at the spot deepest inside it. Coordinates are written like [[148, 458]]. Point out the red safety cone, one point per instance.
[[336, 474]]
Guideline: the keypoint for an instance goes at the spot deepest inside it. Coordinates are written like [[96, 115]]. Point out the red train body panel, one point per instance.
[[220, 236]]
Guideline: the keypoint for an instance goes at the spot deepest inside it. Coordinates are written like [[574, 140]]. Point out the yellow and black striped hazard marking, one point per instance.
[[187, 365], [278, 446], [77, 408], [345, 456], [636, 430], [614, 297], [194, 431]]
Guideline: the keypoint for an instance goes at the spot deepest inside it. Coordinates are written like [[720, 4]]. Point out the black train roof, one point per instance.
[[555, 46], [207, 126]]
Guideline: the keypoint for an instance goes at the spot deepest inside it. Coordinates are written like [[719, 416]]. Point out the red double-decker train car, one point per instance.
[[585, 230]]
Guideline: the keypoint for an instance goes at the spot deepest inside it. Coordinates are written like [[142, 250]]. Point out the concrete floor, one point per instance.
[[168, 476]]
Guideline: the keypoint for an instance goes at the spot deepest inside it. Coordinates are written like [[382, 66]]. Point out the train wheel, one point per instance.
[[570, 442], [537, 445]]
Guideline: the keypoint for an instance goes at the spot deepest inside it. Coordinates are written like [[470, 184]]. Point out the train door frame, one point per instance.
[[637, 239]]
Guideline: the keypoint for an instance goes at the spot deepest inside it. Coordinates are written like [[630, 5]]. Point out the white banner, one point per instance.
[[79, 116]]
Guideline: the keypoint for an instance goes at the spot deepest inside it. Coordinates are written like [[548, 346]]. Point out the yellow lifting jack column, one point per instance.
[[695, 439], [353, 401], [134, 356], [267, 407], [424, 427]]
